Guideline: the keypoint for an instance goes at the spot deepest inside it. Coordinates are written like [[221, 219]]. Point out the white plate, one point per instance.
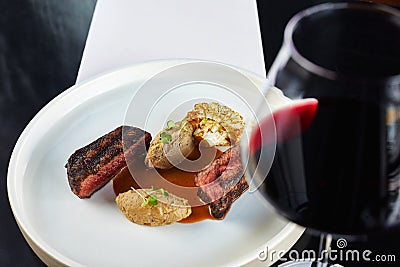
[[65, 230]]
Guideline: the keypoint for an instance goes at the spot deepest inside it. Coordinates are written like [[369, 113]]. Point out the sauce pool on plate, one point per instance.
[[174, 180]]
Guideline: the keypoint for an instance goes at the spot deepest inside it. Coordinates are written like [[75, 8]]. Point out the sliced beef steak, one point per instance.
[[220, 207], [92, 166], [222, 182]]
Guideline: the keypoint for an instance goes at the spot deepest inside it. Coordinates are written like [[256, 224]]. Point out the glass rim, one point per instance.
[[316, 68]]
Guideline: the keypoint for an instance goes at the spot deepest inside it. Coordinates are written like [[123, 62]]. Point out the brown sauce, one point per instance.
[[174, 180]]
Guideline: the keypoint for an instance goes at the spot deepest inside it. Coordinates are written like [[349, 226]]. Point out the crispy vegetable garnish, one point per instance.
[[153, 207], [217, 124]]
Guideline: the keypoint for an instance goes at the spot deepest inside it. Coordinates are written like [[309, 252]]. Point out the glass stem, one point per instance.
[[324, 250]]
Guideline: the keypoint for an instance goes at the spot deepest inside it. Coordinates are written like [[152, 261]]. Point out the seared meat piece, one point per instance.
[[222, 182], [220, 207], [92, 166]]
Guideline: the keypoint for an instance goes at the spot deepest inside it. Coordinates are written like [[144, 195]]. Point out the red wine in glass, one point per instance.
[[337, 164]]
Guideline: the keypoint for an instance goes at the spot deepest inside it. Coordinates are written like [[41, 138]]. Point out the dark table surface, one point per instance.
[[41, 44]]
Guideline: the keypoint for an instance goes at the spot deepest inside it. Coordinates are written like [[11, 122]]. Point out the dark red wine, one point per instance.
[[339, 174]]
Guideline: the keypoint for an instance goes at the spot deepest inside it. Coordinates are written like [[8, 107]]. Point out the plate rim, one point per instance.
[[48, 254]]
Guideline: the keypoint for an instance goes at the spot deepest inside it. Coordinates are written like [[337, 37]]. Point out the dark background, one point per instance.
[[41, 44]]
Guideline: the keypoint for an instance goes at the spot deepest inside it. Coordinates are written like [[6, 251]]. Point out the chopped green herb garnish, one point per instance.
[[165, 138], [184, 120], [170, 124], [165, 193], [147, 200], [162, 190], [152, 200]]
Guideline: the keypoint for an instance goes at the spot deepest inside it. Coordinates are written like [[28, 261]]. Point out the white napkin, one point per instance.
[[124, 32]]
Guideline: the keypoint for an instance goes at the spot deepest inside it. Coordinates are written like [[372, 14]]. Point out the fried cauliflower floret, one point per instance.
[[165, 208], [171, 146], [217, 124]]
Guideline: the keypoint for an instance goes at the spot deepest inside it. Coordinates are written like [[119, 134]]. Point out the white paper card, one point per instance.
[[125, 32]]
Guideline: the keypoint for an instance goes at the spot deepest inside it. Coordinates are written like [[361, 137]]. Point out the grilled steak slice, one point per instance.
[[92, 166], [220, 207], [222, 182]]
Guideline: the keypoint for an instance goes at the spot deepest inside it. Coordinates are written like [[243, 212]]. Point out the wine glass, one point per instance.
[[337, 163]]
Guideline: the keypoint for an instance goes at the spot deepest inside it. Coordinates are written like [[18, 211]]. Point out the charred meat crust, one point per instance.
[[92, 166], [220, 207], [222, 182]]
